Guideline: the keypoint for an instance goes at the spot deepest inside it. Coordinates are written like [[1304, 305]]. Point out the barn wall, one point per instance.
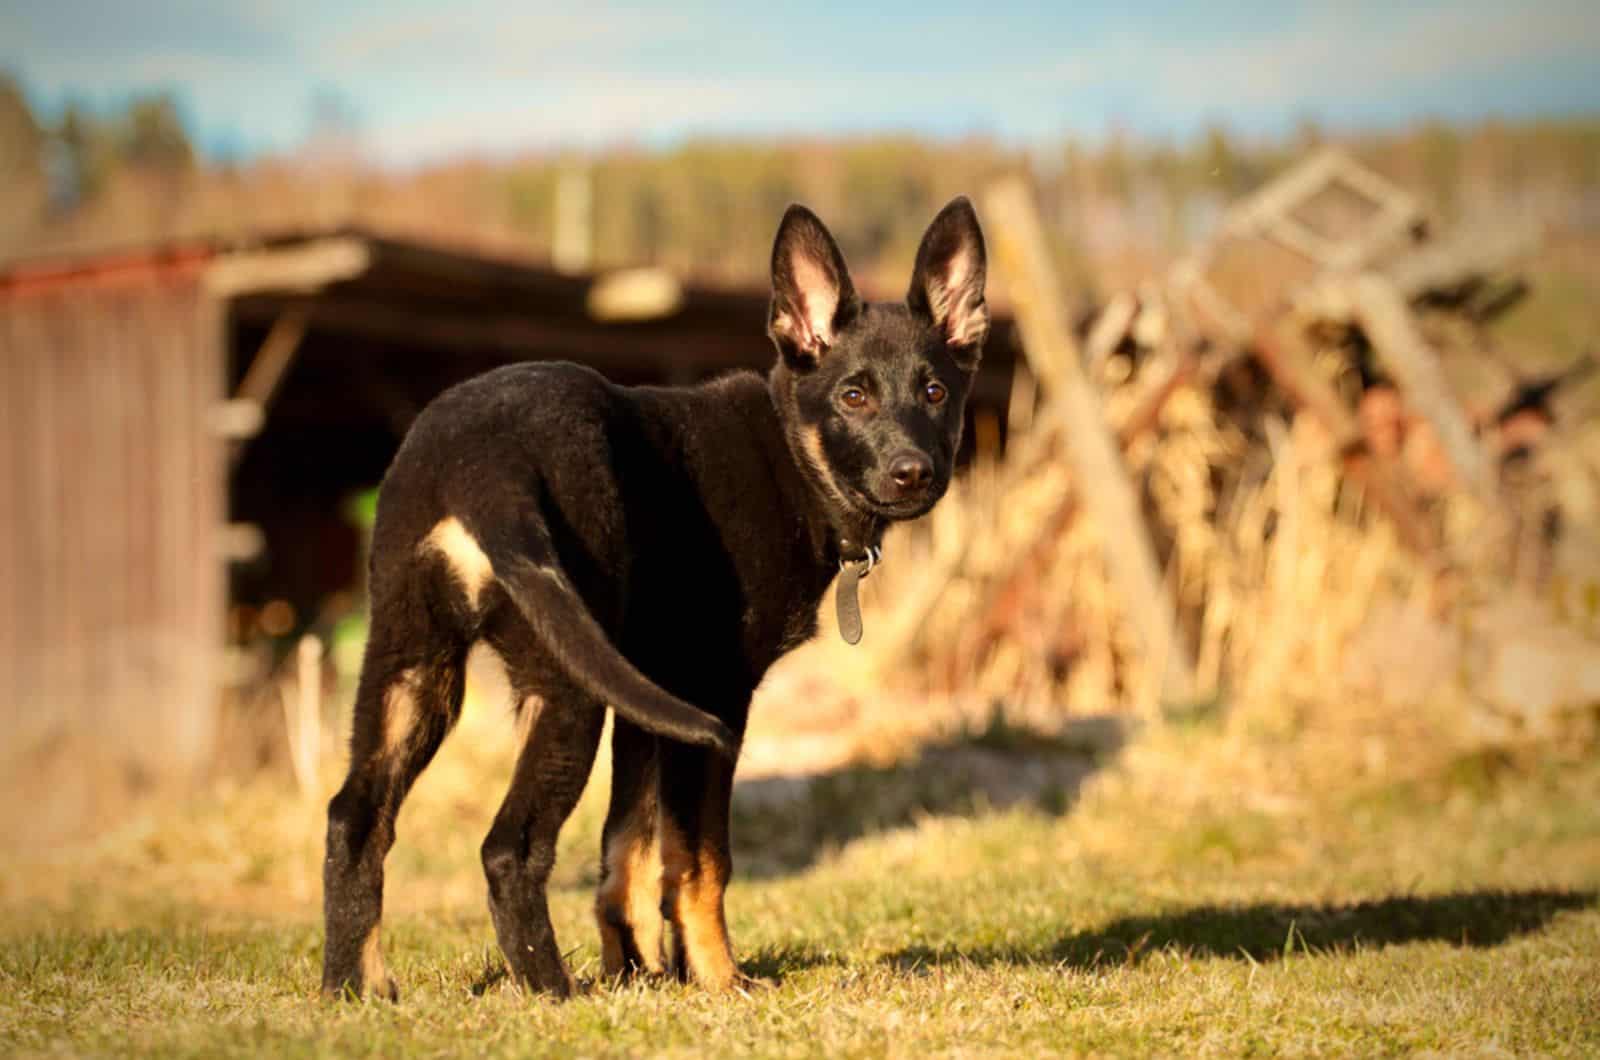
[[111, 497]]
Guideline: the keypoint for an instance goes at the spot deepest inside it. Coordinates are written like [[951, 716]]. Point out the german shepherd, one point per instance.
[[654, 550]]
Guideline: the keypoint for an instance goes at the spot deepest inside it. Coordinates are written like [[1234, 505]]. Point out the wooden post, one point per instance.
[[1281, 350], [267, 370], [1388, 324], [572, 248], [305, 720], [1017, 236]]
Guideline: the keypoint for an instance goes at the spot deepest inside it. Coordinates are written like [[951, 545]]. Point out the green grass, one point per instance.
[[1167, 910]]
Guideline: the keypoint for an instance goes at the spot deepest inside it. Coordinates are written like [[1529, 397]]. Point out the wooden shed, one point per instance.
[[180, 427]]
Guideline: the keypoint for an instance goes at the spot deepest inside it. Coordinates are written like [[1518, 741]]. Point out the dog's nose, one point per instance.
[[911, 472]]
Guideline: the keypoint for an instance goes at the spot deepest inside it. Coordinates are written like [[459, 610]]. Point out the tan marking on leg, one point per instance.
[[374, 976], [528, 712], [631, 886], [610, 898], [644, 902], [466, 560], [696, 885], [400, 712]]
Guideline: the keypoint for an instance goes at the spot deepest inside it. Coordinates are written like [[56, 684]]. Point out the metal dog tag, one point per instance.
[[847, 598], [849, 604]]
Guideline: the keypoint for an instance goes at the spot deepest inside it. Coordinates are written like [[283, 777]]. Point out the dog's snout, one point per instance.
[[911, 472]]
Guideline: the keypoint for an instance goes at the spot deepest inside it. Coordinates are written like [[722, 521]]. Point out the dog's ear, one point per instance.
[[812, 296], [947, 283]]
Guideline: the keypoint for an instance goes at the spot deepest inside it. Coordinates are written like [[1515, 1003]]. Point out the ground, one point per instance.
[[1195, 891]]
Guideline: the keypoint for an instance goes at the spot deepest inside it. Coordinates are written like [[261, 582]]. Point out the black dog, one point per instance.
[[650, 549]]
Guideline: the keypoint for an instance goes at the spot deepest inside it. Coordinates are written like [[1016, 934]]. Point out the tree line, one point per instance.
[[707, 207]]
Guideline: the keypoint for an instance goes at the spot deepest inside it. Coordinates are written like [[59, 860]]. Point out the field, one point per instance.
[[1376, 831], [1201, 889]]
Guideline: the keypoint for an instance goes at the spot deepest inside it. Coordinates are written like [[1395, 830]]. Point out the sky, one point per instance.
[[423, 82]]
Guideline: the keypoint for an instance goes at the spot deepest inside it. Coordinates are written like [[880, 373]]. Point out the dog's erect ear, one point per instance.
[[812, 296], [947, 283]]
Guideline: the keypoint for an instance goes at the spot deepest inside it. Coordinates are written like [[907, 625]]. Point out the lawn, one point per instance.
[[1200, 892]]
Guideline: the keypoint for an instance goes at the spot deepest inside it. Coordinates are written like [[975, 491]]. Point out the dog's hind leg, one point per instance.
[[561, 732], [628, 900], [408, 697], [695, 791]]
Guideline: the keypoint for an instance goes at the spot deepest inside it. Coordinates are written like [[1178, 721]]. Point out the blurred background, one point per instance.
[[1287, 426]]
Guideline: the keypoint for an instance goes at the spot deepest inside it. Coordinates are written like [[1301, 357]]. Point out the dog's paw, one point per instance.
[[355, 989]]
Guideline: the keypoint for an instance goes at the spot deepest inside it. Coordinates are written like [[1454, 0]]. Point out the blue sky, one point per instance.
[[430, 80]]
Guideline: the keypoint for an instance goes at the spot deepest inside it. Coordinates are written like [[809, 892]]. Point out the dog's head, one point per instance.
[[872, 394]]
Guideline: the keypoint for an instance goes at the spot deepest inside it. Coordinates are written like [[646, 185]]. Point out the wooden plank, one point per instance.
[[1281, 349], [1110, 327], [115, 588], [1018, 239], [1269, 211], [304, 268], [1281, 194], [1385, 318], [267, 370], [1388, 196], [1464, 257]]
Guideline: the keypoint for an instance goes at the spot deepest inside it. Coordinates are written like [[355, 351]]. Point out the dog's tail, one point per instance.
[[571, 634]]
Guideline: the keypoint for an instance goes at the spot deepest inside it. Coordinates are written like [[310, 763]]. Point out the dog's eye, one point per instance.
[[935, 393], [854, 397]]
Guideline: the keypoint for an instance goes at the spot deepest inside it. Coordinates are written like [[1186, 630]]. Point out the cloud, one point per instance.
[[1355, 52], [518, 42], [481, 77]]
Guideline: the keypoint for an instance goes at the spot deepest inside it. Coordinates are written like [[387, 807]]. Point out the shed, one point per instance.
[[180, 426]]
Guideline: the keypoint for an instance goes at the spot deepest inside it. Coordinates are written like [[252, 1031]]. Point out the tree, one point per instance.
[[85, 156], [21, 139], [21, 163], [153, 135], [1221, 162]]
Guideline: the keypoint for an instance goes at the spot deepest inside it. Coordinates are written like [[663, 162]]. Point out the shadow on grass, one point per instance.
[[1269, 931], [778, 963], [785, 824]]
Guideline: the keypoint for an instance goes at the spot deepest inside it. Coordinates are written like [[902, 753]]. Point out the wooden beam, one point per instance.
[[269, 366], [302, 268], [1385, 318], [1021, 251], [271, 362], [1464, 257], [523, 335], [1281, 349], [1110, 327], [1270, 211], [1281, 194]]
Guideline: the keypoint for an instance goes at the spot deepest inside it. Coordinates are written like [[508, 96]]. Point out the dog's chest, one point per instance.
[[780, 612], [799, 626]]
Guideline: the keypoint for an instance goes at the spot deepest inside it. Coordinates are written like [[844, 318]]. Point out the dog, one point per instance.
[[651, 549]]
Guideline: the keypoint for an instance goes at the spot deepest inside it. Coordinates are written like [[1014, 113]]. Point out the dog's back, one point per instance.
[[662, 507]]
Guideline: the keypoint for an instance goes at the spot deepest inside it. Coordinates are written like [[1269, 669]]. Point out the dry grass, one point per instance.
[[1347, 849], [1208, 893]]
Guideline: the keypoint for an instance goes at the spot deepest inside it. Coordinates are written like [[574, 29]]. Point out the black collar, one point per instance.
[[854, 546]]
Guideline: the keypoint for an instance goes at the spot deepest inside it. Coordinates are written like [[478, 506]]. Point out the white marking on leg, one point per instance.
[[374, 976], [400, 711], [461, 552], [527, 718], [631, 885]]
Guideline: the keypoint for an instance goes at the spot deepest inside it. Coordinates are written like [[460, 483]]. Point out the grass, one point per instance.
[[1194, 897]]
